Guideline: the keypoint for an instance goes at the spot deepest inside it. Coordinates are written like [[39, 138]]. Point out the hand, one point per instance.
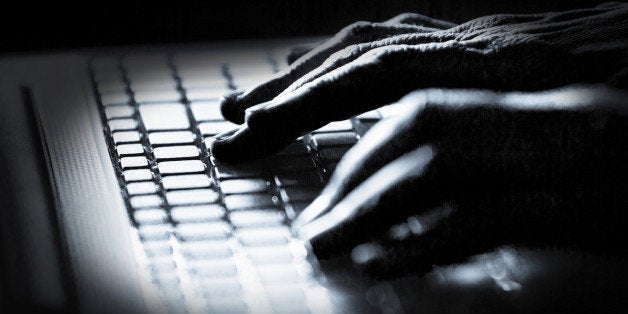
[[464, 172], [368, 65]]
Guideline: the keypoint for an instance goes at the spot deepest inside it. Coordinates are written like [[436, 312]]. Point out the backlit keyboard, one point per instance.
[[212, 237]]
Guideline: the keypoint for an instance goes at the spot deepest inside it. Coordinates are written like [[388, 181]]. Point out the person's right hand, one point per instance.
[[464, 172], [369, 65]]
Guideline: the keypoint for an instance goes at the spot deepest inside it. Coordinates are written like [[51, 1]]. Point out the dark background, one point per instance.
[[27, 26]]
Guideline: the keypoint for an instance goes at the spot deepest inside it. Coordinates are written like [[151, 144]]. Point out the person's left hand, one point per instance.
[[368, 65]]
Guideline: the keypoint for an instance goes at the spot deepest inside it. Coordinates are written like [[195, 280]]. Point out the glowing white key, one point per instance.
[[181, 166], [145, 201], [137, 175], [128, 136], [138, 161], [191, 197], [164, 116], [141, 188], [122, 124], [175, 152], [175, 137], [186, 181], [118, 112], [129, 149]]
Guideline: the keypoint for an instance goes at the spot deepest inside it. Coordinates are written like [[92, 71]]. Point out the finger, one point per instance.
[[242, 145], [452, 240], [380, 76], [299, 51], [359, 86], [479, 222], [353, 52], [385, 142], [420, 20], [370, 209], [428, 23], [233, 107]]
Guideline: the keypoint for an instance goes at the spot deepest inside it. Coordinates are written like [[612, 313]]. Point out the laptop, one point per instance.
[[137, 216], [112, 203]]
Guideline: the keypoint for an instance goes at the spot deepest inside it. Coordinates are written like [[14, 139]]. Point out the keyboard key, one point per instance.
[[372, 115], [216, 127], [228, 306], [137, 161], [362, 127], [290, 306], [170, 282], [201, 213], [214, 268], [206, 110], [269, 236], [275, 274], [294, 149], [221, 287], [238, 186], [256, 218], [126, 137], [191, 197], [163, 265], [146, 61], [150, 216], [129, 149], [181, 166], [145, 201], [152, 81], [123, 111], [337, 126], [206, 250], [299, 194], [164, 116], [393, 110], [166, 95], [186, 181], [157, 249], [232, 171], [298, 179], [333, 153], [196, 91], [244, 201], [295, 208], [218, 230], [285, 291], [117, 98], [270, 255], [141, 188], [121, 125], [287, 165], [169, 152], [330, 167], [108, 73], [155, 232], [176, 137], [104, 63], [137, 175], [333, 139], [112, 86]]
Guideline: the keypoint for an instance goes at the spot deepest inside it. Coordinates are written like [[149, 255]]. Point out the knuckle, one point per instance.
[[406, 17], [349, 52], [357, 29]]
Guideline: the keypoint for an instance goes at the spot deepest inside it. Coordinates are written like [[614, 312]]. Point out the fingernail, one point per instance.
[[221, 146], [366, 253], [258, 118], [230, 108]]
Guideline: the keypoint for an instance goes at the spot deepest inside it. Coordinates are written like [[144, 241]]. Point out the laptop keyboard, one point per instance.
[[213, 237]]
